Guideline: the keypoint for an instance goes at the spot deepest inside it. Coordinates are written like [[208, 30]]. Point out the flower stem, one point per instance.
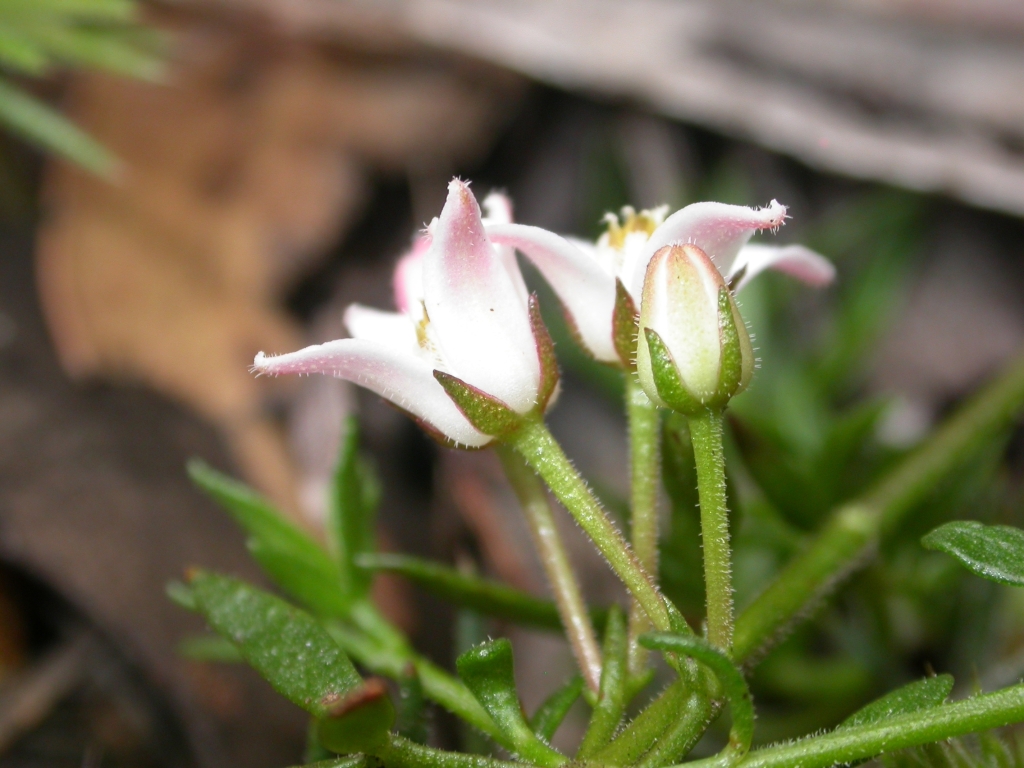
[[706, 435], [564, 586], [545, 455], [856, 527], [645, 475], [851, 745]]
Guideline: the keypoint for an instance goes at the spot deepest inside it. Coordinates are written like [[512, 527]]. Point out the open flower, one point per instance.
[[465, 316], [584, 274]]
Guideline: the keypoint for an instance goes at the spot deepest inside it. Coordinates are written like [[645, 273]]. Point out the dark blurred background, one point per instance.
[[285, 163]]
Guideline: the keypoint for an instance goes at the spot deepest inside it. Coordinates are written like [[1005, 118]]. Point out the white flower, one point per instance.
[[464, 311], [583, 274]]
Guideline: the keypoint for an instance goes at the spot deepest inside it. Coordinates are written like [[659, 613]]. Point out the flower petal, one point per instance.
[[407, 281], [398, 376], [480, 322], [498, 208], [794, 260], [718, 229], [586, 290], [389, 329]]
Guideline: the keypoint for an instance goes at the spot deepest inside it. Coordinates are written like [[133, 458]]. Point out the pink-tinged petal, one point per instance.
[[398, 376], [407, 281], [498, 210], [390, 329], [794, 260], [718, 229], [476, 313], [585, 289]]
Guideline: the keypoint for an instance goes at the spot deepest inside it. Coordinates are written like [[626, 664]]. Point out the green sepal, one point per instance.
[[360, 722], [611, 703], [667, 379], [552, 711], [731, 678], [487, 670], [292, 559], [730, 365], [491, 598], [625, 324], [549, 373], [994, 552], [351, 515], [486, 413], [920, 694]]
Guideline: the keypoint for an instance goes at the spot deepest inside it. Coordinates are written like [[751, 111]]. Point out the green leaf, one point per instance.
[[411, 722], [994, 552], [732, 680], [552, 712], [297, 656], [355, 497], [487, 671], [349, 761], [210, 648], [612, 697], [912, 697], [36, 122], [182, 595], [292, 559], [484, 596], [287, 646]]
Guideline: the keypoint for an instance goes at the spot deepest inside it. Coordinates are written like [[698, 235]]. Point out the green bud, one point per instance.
[[693, 350]]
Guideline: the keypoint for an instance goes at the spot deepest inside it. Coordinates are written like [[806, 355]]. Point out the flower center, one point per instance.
[[629, 221]]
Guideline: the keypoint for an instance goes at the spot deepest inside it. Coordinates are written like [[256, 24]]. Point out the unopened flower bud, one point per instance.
[[693, 351]]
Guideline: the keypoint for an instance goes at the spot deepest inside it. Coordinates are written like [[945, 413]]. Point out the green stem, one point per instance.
[[645, 476], [850, 745], [402, 753], [854, 529], [545, 455], [564, 586], [706, 436]]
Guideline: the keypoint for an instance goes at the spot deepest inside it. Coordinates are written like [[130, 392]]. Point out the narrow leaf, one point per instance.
[[994, 552], [292, 559], [210, 648], [36, 122], [612, 698], [351, 514], [912, 697], [488, 597], [296, 655], [411, 721], [732, 680], [287, 646], [552, 712], [487, 670]]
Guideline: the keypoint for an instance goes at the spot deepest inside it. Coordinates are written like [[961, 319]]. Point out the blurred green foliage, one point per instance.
[[40, 37]]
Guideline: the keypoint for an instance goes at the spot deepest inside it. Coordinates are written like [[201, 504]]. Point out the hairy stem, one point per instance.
[[854, 528], [850, 745], [545, 455], [402, 753], [645, 477], [564, 585], [706, 436]]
